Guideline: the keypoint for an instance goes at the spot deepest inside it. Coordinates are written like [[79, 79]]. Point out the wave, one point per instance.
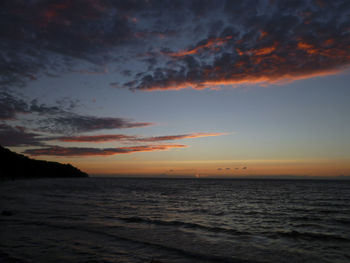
[[182, 224], [289, 234], [305, 224], [193, 255], [312, 235], [304, 218]]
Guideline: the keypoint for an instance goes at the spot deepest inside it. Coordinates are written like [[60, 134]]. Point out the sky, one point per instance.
[[172, 88]]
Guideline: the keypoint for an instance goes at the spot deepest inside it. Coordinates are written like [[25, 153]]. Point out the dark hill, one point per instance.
[[15, 166]]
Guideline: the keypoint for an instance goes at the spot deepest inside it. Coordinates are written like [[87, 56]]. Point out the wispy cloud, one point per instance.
[[178, 137], [18, 136], [13, 105], [10, 106], [74, 123], [59, 118], [95, 138], [133, 138], [77, 151]]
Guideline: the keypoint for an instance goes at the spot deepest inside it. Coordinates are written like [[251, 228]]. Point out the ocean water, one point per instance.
[[174, 220]]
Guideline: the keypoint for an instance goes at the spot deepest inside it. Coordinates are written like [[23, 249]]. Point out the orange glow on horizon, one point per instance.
[[222, 169]]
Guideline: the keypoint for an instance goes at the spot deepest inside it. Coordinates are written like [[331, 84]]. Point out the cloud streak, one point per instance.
[[74, 123], [133, 138], [58, 118], [18, 136], [96, 138], [77, 151], [178, 137], [11, 136]]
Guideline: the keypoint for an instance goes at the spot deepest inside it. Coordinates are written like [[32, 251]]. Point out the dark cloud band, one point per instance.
[[76, 151], [74, 123], [198, 44], [18, 136], [132, 138]]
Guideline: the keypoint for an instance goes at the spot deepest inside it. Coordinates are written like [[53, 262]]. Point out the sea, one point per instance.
[[106, 220]]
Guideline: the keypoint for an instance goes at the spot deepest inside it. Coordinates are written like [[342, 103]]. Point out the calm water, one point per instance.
[[178, 220]]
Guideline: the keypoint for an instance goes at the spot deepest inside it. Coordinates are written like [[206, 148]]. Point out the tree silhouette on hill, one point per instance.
[[16, 166]]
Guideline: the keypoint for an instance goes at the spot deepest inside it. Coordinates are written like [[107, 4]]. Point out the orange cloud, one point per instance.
[[263, 34], [326, 49], [179, 137], [252, 57], [259, 51], [307, 47], [212, 44], [244, 79], [268, 65]]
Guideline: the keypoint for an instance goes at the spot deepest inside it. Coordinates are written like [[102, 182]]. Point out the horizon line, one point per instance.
[[283, 177]]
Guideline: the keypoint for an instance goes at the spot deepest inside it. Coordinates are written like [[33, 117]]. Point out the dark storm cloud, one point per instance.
[[49, 35], [52, 35], [262, 42], [18, 136], [74, 123], [197, 43], [77, 151]]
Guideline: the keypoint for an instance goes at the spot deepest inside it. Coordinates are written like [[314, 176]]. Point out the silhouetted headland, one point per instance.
[[18, 166]]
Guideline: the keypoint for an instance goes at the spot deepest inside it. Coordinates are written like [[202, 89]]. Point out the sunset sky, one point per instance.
[[178, 88]]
